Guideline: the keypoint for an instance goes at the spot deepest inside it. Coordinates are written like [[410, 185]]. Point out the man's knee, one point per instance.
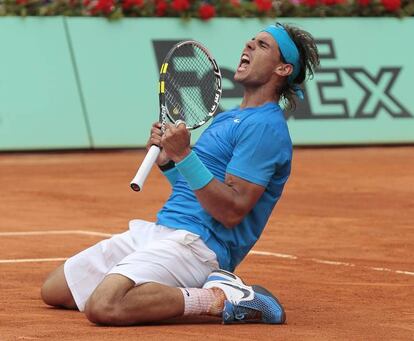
[[102, 311], [107, 305], [55, 291]]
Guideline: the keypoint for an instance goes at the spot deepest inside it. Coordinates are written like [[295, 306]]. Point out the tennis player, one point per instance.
[[223, 192]]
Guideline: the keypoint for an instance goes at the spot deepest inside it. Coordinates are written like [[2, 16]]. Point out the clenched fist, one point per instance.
[[176, 142]]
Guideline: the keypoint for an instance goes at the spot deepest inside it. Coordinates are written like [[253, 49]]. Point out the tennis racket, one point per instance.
[[189, 91]]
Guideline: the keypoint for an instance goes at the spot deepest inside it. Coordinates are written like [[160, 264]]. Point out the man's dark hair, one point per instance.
[[309, 60]]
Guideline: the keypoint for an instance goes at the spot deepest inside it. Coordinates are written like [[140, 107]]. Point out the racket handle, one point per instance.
[[138, 181]]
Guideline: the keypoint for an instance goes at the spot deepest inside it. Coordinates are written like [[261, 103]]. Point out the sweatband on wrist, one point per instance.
[[171, 175], [170, 164], [194, 171]]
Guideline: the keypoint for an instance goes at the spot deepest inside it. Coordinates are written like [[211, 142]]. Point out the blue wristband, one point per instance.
[[194, 171], [171, 175]]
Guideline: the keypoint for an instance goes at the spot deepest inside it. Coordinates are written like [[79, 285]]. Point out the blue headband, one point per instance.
[[289, 52]]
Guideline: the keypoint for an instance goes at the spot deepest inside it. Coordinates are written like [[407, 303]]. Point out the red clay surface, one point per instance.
[[354, 206]]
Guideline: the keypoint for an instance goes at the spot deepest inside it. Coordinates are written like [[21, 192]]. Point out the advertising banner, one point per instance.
[[89, 82], [360, 94]]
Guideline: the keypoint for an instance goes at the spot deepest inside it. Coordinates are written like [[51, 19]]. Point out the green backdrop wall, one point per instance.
[[92, 83]]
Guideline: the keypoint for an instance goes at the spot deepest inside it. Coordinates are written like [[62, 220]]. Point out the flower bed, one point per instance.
[[208, 9]]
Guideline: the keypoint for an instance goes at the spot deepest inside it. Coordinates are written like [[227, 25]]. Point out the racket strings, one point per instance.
[[190, 86], [193, 108], [172, 102], [186, 106]]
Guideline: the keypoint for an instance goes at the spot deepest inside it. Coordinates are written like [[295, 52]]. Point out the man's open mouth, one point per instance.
[[244, 62]]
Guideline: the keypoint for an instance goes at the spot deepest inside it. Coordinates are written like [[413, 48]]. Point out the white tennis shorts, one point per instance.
[[145, 253]]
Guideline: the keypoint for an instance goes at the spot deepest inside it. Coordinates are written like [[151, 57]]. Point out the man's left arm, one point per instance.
[[229, 202]]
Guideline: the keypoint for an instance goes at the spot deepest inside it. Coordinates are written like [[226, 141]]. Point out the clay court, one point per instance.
[[337, 251]]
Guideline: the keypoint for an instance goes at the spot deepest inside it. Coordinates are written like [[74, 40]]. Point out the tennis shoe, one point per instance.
[[245, 304]]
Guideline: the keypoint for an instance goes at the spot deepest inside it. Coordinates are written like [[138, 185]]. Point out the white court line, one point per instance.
[[253, 252], [279, 255], [41, 233], [31, 260], [404, 272], [330, 262]]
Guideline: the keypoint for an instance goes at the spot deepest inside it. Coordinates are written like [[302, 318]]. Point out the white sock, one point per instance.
[[203, 301]]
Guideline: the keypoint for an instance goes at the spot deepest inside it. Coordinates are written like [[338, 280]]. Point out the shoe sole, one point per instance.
[[264, 291]]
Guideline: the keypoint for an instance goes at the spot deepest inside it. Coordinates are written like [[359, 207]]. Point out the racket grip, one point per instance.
[[138, 181]]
